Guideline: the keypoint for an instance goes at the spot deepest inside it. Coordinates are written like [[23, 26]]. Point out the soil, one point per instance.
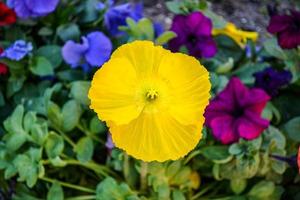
[[246, 14]]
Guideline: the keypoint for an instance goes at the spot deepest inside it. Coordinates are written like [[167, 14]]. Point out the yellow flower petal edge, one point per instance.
[[153, 100], [238, 35]]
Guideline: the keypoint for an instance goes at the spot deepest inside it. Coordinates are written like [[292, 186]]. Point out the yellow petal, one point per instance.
[[156, 137], [189, 87], [113, 92], [143, 55]]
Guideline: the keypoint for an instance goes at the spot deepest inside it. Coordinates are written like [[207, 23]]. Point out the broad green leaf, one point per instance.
[[292, 128], [109, 189], [97, 126], [146, 27], [272, 47], [218, 154], [178, 195], [56, 192], [54, 145], [84, 149], [41, 66], [238, 185], [165, 37], [262, 189], [54, 115], [68, 32], [52, 53], [79, 91], [70, 115]]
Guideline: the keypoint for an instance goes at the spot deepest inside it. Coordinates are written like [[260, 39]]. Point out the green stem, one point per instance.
[[89, 134], [126, 167], [143, 175], [86, 197], [203, 191], [67, 138], [68, 185]]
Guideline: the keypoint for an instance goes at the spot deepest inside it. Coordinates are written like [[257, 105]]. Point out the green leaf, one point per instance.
[[165, 37], [238, 185], [68, 32], [79, 91], [146, 27], [54, 145], [54, 115], [84, 149], [272, 47], [178, 195], [39, 133], [218, 154], [41, 66], [29, 120], [262, 189], [292, 128], [218, 21], [97, 126], [70, 115], [56, 192], [52, 53], [109, 189], [16, 135], [174, 7]]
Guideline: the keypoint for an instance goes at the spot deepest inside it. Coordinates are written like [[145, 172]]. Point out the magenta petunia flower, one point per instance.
[[236, 113], [287, 28], [194, 31]]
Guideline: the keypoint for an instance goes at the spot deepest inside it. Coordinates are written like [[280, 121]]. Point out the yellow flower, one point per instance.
[[238, 35], [152, 100]]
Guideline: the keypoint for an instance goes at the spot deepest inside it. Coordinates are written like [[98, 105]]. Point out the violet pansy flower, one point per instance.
[[32, 8], [194, 31], [272, 80], [116, 15], [236, 113], [287, 28], [18, 50], [94, 50]]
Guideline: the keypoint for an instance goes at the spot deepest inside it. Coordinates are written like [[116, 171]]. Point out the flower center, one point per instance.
[[151, 95], [238, 112], [192, 38]]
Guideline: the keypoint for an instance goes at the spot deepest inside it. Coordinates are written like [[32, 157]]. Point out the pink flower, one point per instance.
[[236, 113]]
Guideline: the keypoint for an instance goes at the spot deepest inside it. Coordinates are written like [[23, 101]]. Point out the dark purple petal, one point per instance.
[[251, 125], [100, 48], [73, 52], [20, 8], [199, 24], [41, 7], [205, 47], [223, 129], [256, 100], [289, 39], [279, 23]]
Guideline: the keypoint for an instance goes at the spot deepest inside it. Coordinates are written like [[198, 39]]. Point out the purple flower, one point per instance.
[[195, 32], [236, 113], [32, 8], [18, 50], [287, 28], [109, 144], [94, 50], [115, 16], [272, 80]]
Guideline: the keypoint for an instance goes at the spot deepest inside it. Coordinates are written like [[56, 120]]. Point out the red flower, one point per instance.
[[3, 67], [298, 159], [287, 28], [7, 15]]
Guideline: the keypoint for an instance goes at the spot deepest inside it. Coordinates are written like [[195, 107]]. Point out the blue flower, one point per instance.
[[272, 80], [115, 16], [94, 50], [18, 50], [158, 29], [32, 8]]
